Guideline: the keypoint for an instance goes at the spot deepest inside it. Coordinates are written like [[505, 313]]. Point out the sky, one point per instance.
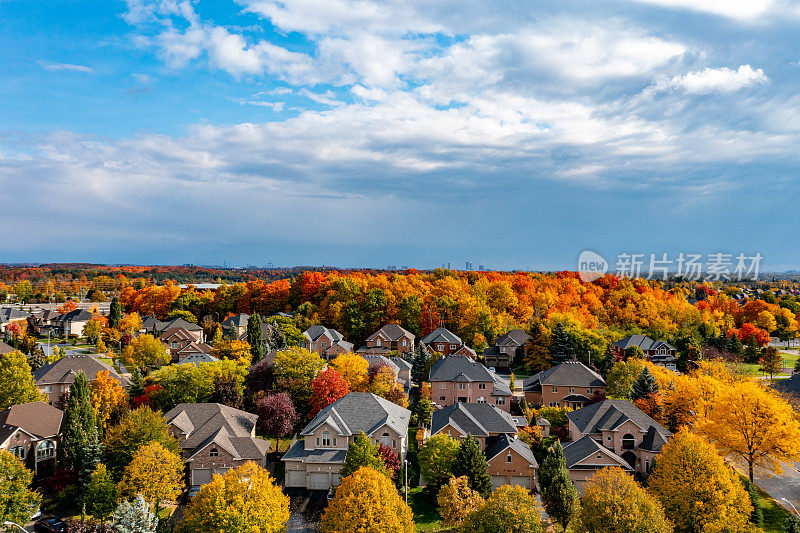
[[417, 132]]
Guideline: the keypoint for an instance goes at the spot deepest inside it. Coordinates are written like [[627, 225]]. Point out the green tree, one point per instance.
[[771, 361], [791, 524], [135, 429], [559, 495], [16, 381], [80, 440], [470, 461], [115, 313], [621, 378], [644, 386], [436, 459], [508, 510], [101, 495], [419, 364], [134, 517], [254, 338], [294, 369], [362, 452], [17, 502], [561, 344], [606, 363]]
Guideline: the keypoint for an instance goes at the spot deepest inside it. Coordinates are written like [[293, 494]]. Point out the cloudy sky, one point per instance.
[[416, 132]]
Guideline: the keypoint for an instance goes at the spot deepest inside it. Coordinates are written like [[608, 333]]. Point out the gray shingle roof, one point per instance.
[[610, 414], [236, 320], [441, 335], [76, 315], [515, 337], [37, 418], [401, 363], [315, 332], [464, 369], [501, 443], [10, 313], [66, 369], [642, 341], [298, 452], [377, 360], [361, 411], [585, 447], [478, 419], [181, 323], [391, 332], [567, 374]]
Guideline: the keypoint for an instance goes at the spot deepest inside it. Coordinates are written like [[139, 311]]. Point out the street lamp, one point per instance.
[[10, 523], [793, 507], [406, 485]]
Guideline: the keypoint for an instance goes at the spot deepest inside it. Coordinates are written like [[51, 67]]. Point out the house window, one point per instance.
[[442, 385], [440, 347], [552, 404], [18, 451], [48, 389], [394, 443], [647, 465], [441, 398], [213, 452], [377, 342], [599, 456], [481, 386], [386, 439], [174, 345], [453, 346], [501, 401], [405, 342], [482, 399], [334, 441], [317, 441], [45, 450], [326, 438], [571, 390], [462, 386], [508, 458], [628, 442], [589, 390], [555, 389]]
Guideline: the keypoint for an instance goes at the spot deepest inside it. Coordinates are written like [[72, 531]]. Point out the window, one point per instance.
[[462, 386], [213, 452], [501, 401], [555, 389], [442, 385], [317, 441], [18, 451], [453, 346], [386, 439], [481, 386], [440, 347], [405, 342], [45, 450], [508, 458], [628, 442], [571, 390], [174, 345], [441, 398], [552, 404], [326, 438], [48, 389], [378, 341], [589, 390], [647, 465], [599, 456], [482, 399]]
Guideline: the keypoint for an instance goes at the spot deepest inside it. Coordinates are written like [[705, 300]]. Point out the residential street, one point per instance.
[[787, 485]]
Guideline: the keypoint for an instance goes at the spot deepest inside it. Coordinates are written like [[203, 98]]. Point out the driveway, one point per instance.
[[305, 508]]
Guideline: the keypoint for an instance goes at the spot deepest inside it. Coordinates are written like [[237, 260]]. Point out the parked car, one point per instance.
[[50, 525], [193, 492]]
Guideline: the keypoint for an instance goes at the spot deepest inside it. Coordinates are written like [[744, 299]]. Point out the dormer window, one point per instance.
[[326, 438], [213, 452], [508, 458], [405, 342]]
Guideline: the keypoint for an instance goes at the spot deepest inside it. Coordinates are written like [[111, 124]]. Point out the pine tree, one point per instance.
[[362, 452], [134, 517], [644, 386], [559, 495], [419, 363], [115, 313], [606, 362], [80, 441], [254, 337], [471, 462], [561, 345]]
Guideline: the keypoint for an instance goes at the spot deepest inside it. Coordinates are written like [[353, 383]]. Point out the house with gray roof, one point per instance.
[[314, 461], [215, 438], [585, 456], [31, 432], [510, 462], [442, 340], [569, 384], [71, 323], [236, 323], [5, 348], [390, 338], [459, 378], [327, 342], [658, 352], [54, 379], [11, 315], [506, 349], [619, 427]]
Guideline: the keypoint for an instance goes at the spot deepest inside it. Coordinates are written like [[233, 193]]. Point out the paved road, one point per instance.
[[305, 508], [787, 485]]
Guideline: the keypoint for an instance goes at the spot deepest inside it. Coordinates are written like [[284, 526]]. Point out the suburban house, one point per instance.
[[155, 327], [31, 432], [235, 325], [71, 323], [40, 320], [54, 379], [197, 358], [458, 378], [314, 461], [215, 438], [507, 348], [570, 384], [390, 338], [612, 433], [327, 342], [658, 352], [443, 341], [510, 461], [181, 343], [11, 315], [400, 368]]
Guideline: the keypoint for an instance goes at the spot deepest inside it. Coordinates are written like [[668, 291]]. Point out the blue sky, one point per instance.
[[369, 133]]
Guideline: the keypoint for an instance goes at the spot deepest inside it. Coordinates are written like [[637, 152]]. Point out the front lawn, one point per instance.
[[426, 516], [774, 514]]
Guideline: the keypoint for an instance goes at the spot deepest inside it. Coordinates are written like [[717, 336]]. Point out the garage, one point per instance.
[[295, 478], [319, 481], [221, 471], [335, 480], [524, 482], [200, 476], [498, 481]]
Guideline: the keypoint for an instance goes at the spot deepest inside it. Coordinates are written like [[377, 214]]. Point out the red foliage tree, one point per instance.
[[326, 388], [750, 334], [276, 414], [390, 459]]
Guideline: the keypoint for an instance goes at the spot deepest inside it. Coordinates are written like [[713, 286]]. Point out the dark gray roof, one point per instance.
[[567, 374], [181, 323], [441, 335], [315, 332], [400, 362], [515, 337], [76, 315], [642, 341], [5, 348], [577, 451], [151, 323], [361, 411], [36, 418], [66, 369], [653, 441], [464, 369], [478, 419], [391, 332], [11, 313], [378, 360], [610, 414], [298, 452], [236, 320], [501, 443]]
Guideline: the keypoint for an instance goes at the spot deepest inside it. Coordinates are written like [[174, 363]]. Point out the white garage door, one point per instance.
[[319, 481], [524, 482], [201, 476], [335, 480], [498, 481], [295, 478], [220, 471]]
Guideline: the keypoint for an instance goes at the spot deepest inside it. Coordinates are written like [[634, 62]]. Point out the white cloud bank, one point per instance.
[[723, 80]]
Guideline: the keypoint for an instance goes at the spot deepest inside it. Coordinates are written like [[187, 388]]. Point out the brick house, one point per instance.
[[390, 338], [657, 352], [510, 461], [507, 348], [31, 431], [443, 341], [314, 461], [181, 343], [54, 379], [237, 324], [458, 378], [570, 384], [609, 432], [327, 342], [214, 438]]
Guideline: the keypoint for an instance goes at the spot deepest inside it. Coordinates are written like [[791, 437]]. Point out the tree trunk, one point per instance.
[[750, 469]]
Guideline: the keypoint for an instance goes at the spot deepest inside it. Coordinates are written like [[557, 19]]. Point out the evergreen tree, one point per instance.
[[734, 345], [791, 524], [471, 462], [254, 337], [80, 441], [644, 386], [419, 364], [101, 495], [606, 362], [362, 452], [559, 495], [134, 517], [137, 383], [423, 410], [751, 354], [115, 313], [561, 345]]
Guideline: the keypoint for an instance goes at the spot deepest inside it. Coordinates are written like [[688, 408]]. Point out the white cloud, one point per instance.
[[735, 9], [724, 80], [54, 67]]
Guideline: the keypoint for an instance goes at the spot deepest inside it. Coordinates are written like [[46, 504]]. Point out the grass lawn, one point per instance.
[[426, 517], [789, 359], [774, 514]]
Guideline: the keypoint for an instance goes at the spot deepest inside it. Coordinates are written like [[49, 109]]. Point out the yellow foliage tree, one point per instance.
[[353, 368], [144, 350], [235, 350], [510, 510], [107, 395], [698, 491], [155, 472], [242, 500], [130, 324], [755, 424], [457, 500], [367, 501], [614, 503]]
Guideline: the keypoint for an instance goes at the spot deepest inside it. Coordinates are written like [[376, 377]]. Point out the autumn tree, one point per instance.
[[232, 349], [16, 381], [107, 395], [353, 368], [754, 424], [276, 415], [470, 462], [17, 501], [614, 503], [242, 500], [362, 452], [115, 313], [328, 387], [130, 324], [621, 377], [94, 328], [390, 458], [101, 495], [436, 458], [367, 501], [510, 510], [135, 429], [145, 350], [771, 361], [537, 356], [456, 501], [697, 490], [156, 473], [227, 391], [559, 495], [294, 369]]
